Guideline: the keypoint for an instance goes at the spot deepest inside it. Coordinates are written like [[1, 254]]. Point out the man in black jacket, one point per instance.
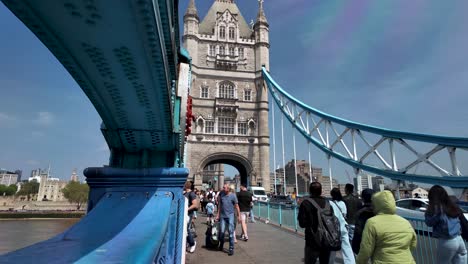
[[308, 219], [362, 215]]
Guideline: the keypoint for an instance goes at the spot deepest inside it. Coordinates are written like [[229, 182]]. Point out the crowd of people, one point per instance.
[[224, 210], [364, 228], [370, 230]]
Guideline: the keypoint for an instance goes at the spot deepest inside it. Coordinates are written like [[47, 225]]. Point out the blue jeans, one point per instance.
[[229, 220], [190, 240], [451, 251]]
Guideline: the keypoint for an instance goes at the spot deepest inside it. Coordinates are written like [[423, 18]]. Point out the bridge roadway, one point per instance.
[[267, 244]]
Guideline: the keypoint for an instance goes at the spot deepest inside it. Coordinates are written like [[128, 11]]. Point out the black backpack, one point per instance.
[[328, 234]]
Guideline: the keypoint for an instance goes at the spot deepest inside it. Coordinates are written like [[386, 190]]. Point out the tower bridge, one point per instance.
[[129, 62]]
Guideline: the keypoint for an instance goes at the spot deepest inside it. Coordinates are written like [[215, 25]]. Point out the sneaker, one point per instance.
[[231, 252], [246, 238], [242, 236], [192, 248]]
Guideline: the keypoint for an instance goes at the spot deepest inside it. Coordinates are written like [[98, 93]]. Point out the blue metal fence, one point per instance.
[[286, 216]]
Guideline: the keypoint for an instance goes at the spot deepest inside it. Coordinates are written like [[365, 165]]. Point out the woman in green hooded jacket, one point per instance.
[[387, 237]]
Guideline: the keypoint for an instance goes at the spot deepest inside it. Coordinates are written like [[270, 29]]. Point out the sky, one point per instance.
[[397, 64]]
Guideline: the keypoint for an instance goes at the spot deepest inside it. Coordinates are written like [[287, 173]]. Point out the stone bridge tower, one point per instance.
[[230, 99]]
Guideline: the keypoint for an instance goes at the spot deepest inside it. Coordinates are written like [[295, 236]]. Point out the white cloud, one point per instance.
[[44, 118], [7, 120], [33, 162]]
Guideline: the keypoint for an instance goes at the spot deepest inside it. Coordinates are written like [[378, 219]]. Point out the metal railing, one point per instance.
[[285, 216]]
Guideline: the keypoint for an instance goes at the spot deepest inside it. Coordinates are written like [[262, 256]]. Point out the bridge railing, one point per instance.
[[285, 216]]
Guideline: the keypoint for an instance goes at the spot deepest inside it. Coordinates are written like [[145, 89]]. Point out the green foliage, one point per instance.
[[77, 193], [29, 188], [8, 190]]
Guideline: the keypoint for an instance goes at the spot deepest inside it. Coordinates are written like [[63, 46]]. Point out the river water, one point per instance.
[[19, 233]]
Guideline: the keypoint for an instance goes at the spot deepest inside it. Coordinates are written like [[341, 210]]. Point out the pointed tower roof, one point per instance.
[[261, 14], [219, 6], [191, 9]]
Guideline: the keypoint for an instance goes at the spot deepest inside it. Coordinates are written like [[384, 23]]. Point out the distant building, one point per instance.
[[213, 175], [303, 171], [420, 193], [378, 183], [326, 187], [364, 183], [7, 177], [51, 190], [74, 177], [19, 173], [37, 174]]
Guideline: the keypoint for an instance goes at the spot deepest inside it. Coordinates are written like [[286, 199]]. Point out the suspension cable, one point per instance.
[[274, 143], [295, 159], [282, 145]]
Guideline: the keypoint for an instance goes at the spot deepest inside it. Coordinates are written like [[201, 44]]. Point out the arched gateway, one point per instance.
[[230, 100]]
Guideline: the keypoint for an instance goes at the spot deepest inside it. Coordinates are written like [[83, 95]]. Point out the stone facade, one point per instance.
[[230, 99]]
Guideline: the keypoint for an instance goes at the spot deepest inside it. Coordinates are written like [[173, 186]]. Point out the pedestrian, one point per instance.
[[308, 218], [192, 206], [339, 209], [387, 237], [251, 214], [209, 212], [245, 200], [366, 212], [353, 204], [443, 215], [227, 206]]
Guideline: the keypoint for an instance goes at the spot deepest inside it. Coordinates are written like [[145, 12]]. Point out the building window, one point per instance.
[[225, 125], [231, 51], [242, 128], [222, 32], [204, 92], [212, 50], [221, 50], [231, 33], [226, 90], [247, 95], [209, 126], [241, 53]]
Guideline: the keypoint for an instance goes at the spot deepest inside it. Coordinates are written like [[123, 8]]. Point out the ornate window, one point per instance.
[[241, 53], [226, 125], [242, 128], [226, 90], [222, 32], [247, 95], [204, 92], [212, 50], [221, 50], [231, 51], [231, 33], [209, 126]]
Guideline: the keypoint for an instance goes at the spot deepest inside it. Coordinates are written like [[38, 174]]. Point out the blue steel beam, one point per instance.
[[123, 55], [294, 109]]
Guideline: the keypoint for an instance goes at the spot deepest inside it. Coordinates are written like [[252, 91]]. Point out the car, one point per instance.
[[282, 200], [415, 208]]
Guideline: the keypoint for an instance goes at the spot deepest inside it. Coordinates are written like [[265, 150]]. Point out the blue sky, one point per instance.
[[393, 63]]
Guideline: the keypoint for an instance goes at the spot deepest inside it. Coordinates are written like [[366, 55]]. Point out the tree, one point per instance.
[[29, 188], [77, 193], [7, 190]]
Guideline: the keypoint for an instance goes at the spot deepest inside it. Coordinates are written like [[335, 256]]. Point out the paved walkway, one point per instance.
[[267, 244]]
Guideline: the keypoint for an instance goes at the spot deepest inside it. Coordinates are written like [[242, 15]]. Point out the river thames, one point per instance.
[[19, 233]]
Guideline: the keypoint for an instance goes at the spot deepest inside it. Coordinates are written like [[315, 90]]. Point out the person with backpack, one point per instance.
[[366, 212], [322, 228], [192, 206], [339, 208], [387, 237], [353, 204], [443, 215], [209, 212]]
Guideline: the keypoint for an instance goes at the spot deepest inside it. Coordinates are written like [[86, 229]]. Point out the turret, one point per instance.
[[191, 25], [262, 40]]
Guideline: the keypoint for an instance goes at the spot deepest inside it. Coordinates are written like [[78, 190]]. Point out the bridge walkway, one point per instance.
[[267, 244]]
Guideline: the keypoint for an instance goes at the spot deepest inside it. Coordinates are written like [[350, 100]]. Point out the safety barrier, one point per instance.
[[285, 216]]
